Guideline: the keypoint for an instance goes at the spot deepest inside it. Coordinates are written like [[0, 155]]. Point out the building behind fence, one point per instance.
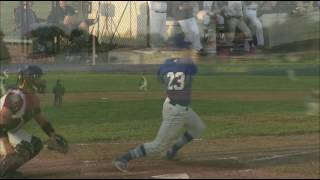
[[120, 22]]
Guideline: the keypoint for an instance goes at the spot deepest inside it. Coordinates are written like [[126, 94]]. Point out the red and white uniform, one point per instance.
[[28, 105]]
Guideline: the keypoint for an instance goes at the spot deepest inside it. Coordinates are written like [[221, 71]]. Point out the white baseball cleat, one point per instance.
[[121, 165]]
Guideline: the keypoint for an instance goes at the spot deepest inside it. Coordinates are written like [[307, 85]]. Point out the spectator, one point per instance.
[[251, 13], [217, 11], [158, 17], [30, 26], [220, 23], [209, 9], [64, 17], [58, 91], [284, 7], [234, 14], [280, 7], [184, 14], [304, 7], [267, 7], [25, 18], [4, 52], [207, 24], [205, 11]]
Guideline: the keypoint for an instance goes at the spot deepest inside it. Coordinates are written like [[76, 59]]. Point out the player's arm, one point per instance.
[[5, 116], [44, 124], [41, 119], [193, 70], [56, 142]]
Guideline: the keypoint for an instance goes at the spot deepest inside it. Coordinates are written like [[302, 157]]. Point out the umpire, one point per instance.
[[58, 91]]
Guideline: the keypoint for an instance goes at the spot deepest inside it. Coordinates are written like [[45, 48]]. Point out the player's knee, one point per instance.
[[202, 128], [198, 131], [23, 153], [258, 25], [37, 146]]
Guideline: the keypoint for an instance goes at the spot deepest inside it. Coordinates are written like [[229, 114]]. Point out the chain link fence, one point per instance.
[[112, 24]]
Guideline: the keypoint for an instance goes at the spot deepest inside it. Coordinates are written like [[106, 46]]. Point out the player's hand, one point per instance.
[[58, 143]]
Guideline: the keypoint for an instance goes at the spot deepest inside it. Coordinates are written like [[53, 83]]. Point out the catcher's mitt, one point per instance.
[[58, 143]]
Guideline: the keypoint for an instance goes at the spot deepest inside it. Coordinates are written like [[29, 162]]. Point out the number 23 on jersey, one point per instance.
[[176, 80]]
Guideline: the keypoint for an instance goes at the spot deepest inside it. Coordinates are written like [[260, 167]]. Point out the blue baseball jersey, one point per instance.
[[176, 74]]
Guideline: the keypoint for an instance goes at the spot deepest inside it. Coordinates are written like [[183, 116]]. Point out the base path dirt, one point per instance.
[[295, 156]]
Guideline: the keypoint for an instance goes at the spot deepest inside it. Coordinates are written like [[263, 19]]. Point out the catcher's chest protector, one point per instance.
[[21, 112]]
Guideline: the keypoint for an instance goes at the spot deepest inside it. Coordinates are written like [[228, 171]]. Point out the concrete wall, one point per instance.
[[282, 29]]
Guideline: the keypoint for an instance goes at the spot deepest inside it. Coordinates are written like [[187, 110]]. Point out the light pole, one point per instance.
[[94, 52]]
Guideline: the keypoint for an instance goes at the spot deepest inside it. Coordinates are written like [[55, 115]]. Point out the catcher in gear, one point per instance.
[[17, 107]]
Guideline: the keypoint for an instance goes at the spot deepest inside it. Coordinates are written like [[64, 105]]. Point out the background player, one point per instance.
[[176, 74], [58, 90], [143, 83], [18, 107]]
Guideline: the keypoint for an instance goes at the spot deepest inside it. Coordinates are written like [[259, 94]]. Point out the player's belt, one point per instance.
[[159, 11], [183, 104]]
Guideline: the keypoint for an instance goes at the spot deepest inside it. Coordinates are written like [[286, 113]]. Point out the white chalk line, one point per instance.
[[277, 156]]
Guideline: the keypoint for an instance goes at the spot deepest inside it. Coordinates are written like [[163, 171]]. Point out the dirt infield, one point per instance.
[[295, 156]]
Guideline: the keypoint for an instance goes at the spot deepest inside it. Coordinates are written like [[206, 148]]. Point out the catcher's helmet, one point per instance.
[[29, 78], [31, 71]]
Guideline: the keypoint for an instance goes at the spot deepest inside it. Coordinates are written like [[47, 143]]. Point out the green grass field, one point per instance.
[[230, 105]]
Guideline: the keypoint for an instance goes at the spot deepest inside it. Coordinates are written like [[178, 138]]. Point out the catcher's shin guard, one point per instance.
[[11, 163], [25, 151]]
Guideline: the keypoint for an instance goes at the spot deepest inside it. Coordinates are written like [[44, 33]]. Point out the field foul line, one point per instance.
[[266, 157], [282, 156]]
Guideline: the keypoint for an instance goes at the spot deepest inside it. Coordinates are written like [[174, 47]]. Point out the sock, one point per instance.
[[134, 154], [183, 140]]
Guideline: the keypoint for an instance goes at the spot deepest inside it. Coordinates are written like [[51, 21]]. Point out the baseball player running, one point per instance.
[[17, 107], [176, 74]]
